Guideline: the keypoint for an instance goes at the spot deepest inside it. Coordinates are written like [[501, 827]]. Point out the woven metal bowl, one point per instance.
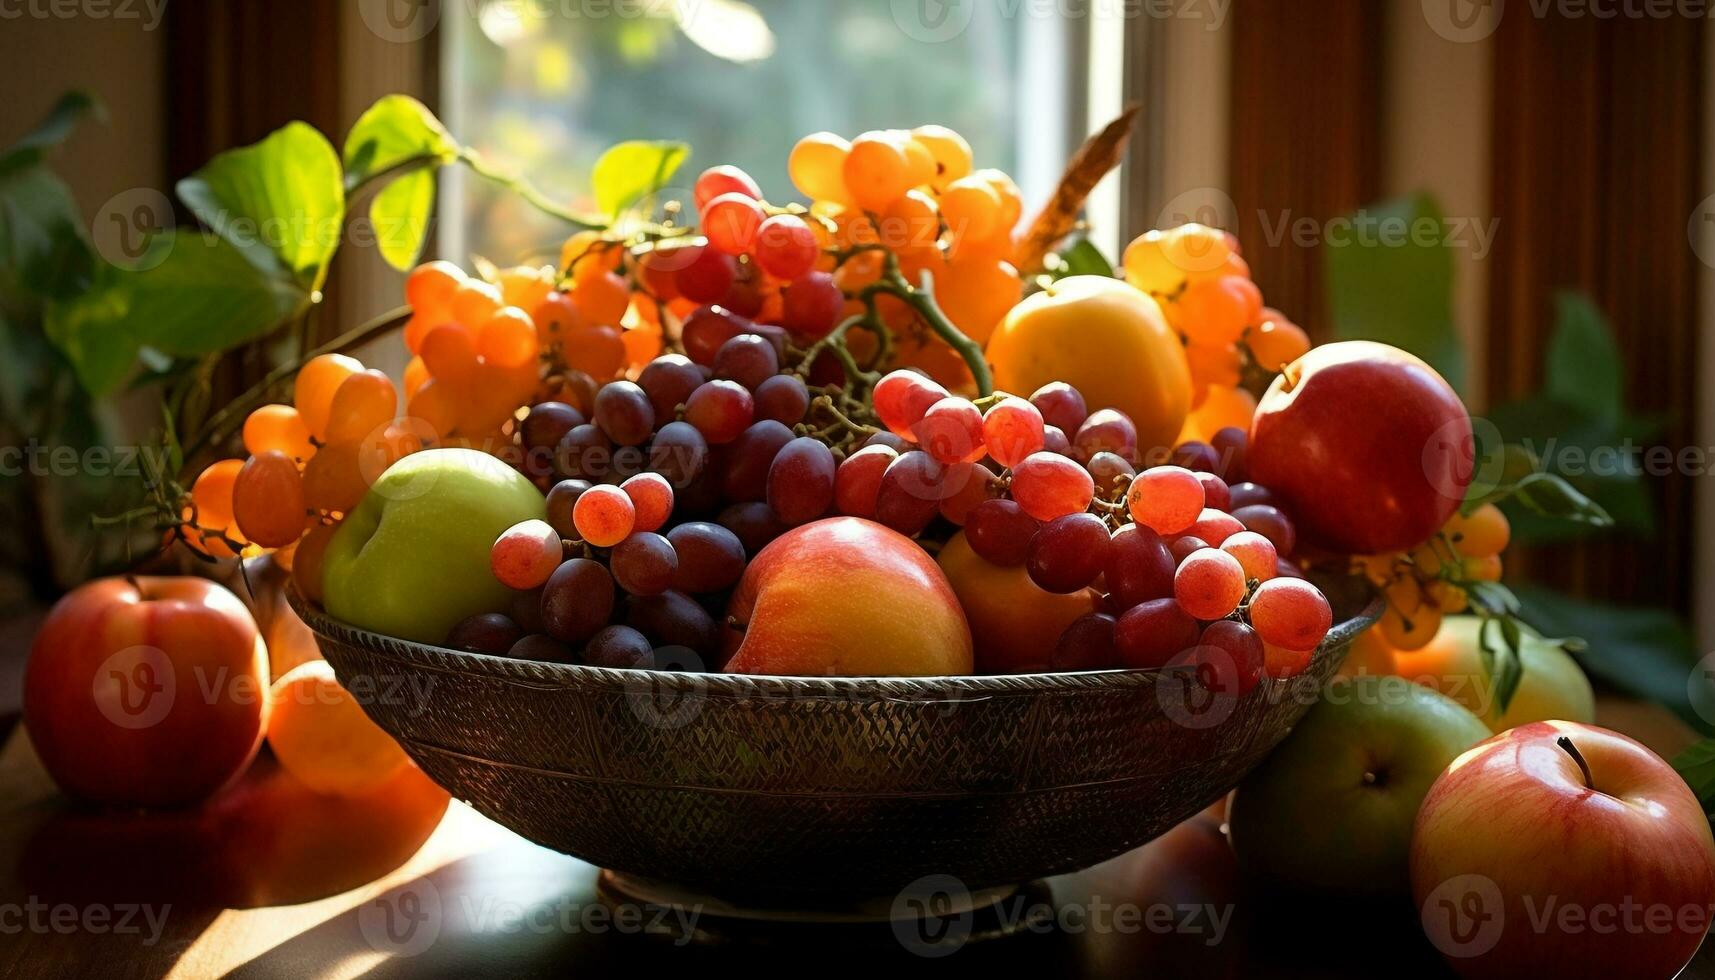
[[803, 790]]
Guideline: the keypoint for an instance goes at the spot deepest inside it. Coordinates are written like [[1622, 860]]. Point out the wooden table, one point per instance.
[[281, 886]]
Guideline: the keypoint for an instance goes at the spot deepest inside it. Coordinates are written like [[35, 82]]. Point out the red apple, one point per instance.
[[146, 691], [1371, 449], [1563, 850], [847, 597]]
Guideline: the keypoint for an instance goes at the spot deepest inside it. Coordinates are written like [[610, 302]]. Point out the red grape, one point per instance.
[[619, 647], [1012, 430], [1229, 445], [911, 491], [525, 555], [976, 483], [801, 481], [584, 452], [577, 600], [1209, 584], [785, 247], [858, 480], [1054, 441], [1068, 553], [711, 558], [1254, 552], [811, 306], [720, 410], [951, 431], [1165, 498], [999, 531], [753, 523], [562, 497], [730, 222], [604, 515], [1216, 494], [669, 380], [748, 359], [1229, 658], [678, 453], [1282, 663], [1271, 523], [548, 423], [484, 633], [1106, 430], [723, 179], [644, 563], [1139, 567], [1109, 471], [652, 499], [748, 458], [1150, 634], [1214, 527], [709, 327], [537, 646], [1184, 546], [901, 398], [1199, 457], [782, 398], [1291, 613], [1061, 405], [1087, 644], [1246, 494], [624, 413], [1049, 486], [673, 619], [704, 274]]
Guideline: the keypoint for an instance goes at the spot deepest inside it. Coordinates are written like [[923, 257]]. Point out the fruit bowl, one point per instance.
[[823, 791]]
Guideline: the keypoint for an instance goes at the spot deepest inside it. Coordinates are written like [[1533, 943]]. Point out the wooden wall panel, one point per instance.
[[1596, 133], [1304, 135]]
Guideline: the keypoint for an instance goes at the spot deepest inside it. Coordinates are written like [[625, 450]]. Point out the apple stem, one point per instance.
[[1578, 757]]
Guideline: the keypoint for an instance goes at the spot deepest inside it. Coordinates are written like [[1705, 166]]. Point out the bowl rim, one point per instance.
[[558, 675]]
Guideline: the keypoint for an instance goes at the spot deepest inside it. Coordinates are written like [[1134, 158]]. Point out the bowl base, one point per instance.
[[886, 921]]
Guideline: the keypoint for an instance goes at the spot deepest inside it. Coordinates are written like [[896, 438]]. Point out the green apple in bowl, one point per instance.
[[1551, 687], [1332, 809], [412, 559]]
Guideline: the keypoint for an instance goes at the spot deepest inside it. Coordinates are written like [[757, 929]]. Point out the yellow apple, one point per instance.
[[1552, 688]]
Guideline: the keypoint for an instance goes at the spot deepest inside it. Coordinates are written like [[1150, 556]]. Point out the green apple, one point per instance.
[[1331, 810], [1552, 687], [412, 559]]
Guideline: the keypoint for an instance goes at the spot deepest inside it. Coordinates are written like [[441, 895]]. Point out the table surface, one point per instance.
[[291, 885]]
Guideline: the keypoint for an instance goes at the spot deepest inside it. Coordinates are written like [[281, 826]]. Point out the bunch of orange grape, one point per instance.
[[1205, 290], [310, 464], [915, 192], [1431, 580]]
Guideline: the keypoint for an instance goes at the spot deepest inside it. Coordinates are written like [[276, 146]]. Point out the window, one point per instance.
[[543, 86]]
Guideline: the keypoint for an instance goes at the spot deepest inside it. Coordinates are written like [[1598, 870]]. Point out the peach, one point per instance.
[[320, 734], [1014, 623], [846, 597]]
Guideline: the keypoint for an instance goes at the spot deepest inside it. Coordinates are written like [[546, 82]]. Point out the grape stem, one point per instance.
[[922, 300]]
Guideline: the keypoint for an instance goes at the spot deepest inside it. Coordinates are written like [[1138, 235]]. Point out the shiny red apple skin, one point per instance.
[[147, 692], [1370, 447], [845, 596], [1515, 810]]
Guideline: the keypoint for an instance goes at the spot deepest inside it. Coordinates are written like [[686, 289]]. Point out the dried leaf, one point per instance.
[[1099, 154]]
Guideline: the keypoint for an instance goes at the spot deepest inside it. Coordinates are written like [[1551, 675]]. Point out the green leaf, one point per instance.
[[1645, 651], [1548, 495], [1083, 258], [205, 297], [629, 172], [400, 216], [395, 130], [280, 202], [1583, 368], [88, 331], [1696, 765], [51, 131], [44, 251], [1398, 289]]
